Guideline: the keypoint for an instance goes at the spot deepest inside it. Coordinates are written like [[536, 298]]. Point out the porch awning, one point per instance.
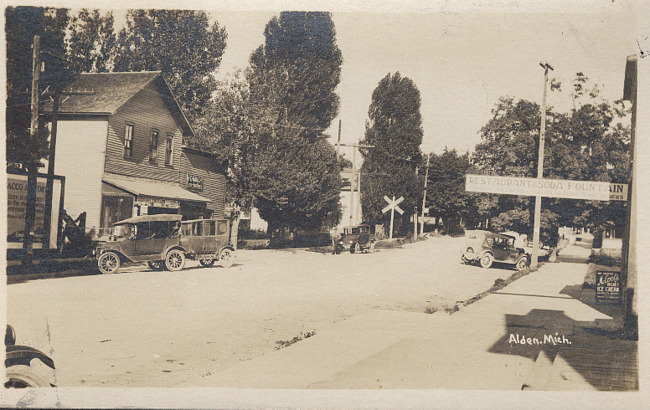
[[155, 189]]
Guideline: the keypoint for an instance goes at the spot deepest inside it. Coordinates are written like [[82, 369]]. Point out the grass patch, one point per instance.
[[286, 343]]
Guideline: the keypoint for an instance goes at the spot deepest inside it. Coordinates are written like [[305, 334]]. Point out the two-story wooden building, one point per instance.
[[120, 147]]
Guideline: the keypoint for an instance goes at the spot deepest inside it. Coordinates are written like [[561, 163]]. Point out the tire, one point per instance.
[[156, 265], [175, 260], [206, 263], [522, 264], [108, 263], [486, 261], [226, 258], [355, 248], [21, 376]]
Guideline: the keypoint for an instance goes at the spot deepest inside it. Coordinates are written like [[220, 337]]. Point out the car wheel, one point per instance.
[[156, 265], [109, 262], [206, 262], [487, 260], [464, 260], [21, 376], [175, 260], [226, 258], [522, 264]]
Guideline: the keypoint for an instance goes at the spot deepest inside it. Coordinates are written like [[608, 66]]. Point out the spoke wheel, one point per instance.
[[487, 260], [109, 262], [226, 258], [522, 264], [206, 262], [21, 376], [175, 260]]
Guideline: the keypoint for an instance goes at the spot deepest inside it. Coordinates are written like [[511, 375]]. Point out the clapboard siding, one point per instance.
[[146, 111], [214, 182]]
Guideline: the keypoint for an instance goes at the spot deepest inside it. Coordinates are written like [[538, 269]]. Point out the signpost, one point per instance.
[[392, 207]]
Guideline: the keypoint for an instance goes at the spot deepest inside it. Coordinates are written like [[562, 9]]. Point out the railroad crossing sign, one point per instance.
[[392, 207]]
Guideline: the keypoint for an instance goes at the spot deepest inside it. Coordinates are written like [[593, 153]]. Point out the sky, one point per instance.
[[462, 57], [461, 62]]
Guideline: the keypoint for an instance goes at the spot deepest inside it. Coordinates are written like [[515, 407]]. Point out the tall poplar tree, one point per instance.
[[394, 130]]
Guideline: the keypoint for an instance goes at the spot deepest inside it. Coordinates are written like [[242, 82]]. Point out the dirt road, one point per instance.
[[146, 328]]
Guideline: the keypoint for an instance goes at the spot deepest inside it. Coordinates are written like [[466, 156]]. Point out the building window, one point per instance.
[[128, 140], [153, 147], [169, 150]]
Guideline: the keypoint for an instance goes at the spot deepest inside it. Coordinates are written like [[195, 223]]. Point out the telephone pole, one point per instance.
[[30, 206], [540, 170], [424, 196]]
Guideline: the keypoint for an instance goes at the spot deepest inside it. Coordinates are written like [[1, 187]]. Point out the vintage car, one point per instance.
[[357, 238], [165, 241], [26, 366], [485, 248]]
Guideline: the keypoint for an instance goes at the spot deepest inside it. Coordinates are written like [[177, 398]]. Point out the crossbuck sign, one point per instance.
[[392, 207]]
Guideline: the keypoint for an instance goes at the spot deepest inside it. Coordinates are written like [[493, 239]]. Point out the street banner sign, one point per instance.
[[617, 192], [553, 188], [608, 287]]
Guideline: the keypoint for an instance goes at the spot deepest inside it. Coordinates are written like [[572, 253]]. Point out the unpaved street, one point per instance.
[[146, 328]]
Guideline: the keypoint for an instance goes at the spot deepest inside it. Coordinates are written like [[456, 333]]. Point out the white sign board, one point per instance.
[[553, 188], [617, 192]]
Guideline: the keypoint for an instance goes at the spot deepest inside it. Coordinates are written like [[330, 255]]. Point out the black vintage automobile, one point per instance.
[[21, 363], [164, 241], [356, 238], [484, 248]]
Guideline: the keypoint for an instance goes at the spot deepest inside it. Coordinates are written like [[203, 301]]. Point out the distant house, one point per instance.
[[120, 147], [350, 198]]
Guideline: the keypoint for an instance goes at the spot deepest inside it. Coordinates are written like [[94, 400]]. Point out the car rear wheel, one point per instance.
[[21, 376], [226, 258], [355, 248], [108, 263], [175, 260], [206, 262], [487, 260], [156, 265]]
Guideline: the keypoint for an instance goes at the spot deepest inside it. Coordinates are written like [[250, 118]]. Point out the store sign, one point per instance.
[[617, 192], [194, 181], [554, 188], [608, 287], [157, 202]]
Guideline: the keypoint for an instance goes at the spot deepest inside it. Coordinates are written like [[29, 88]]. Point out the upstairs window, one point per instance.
[[128, 140], [169, 150], [153, 147]]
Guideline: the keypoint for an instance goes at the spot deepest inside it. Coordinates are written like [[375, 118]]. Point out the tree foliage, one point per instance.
[[92, 41], [21, 25], [291, 170], [588, 143], [394, 130], [180, 43]]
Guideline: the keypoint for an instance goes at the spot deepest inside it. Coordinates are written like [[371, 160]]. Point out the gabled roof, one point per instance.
[[105, 93]]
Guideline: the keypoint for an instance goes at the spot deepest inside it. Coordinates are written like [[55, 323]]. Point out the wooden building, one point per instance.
[[120, 147]]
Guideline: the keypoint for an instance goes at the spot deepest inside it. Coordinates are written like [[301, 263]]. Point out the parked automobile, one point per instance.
[[356, 238], [485, 248], [22, 364], [164, 241]]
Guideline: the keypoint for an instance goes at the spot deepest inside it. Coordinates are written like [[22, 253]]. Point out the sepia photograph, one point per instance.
[[290, 206]]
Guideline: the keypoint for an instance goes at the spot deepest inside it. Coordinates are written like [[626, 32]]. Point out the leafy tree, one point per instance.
[[300, 66], [394, 130], [182, 45], [92, 41], [586, 143], [21, 25], [293, 171], [446, 195]]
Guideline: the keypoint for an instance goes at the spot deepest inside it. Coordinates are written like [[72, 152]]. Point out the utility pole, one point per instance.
[[49, 186], [338, 143], [540, 170], [30, 206], [424, 196]]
